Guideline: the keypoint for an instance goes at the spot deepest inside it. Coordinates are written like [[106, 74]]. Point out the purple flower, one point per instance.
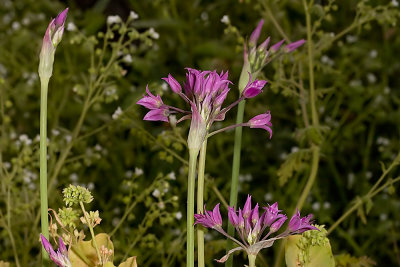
[[150, 101], [253, 88], [250, 226], [205, 92], [298, 225], [262, 121], [293, 46], [210, 219], [278, 223], [160, 114], [272, 214], [61, 256]]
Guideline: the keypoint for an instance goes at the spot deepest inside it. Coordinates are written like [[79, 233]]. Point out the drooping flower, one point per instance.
[[262, 121], [205, 92], [253, 88], [61, 256], [251, 228], [51, 40]]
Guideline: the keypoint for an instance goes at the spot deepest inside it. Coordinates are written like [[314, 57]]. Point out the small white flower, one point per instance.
[[383, 217], [164, 86], [73, 177], [90, 186], [171, 175], [178, 215], [26, 21], [327, 205], [225, 19], [116, 113], [395, 3], [16, 25], [138, 171], [371, 78], [25, 139], [316, 206], [113, 19], [161, 205], [373, 53], [351, 38], [55, 132], [127, 59], [133, 15], [128, 174], [156, 193], [268, 196], [153, 34], [204, 16], [294, 149], [98, 147], [7, 165], [68, 138], [71, 27]]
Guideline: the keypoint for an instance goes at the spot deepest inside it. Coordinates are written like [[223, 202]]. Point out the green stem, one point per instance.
[[252, 260], [200, 203], [190, 208], [89, 224], [314, 120], [43, 166], [235, 174]]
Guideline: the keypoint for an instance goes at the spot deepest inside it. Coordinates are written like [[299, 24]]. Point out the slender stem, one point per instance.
[[227, 128], [220, 196], [235, 174], [314, 121], [190, 208], [200, 202], [311, 178], [252, 260], [89, 224], [43, 166]]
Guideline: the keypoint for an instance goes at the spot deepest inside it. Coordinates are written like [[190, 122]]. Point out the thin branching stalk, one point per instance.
[[89, 224], [200, 202]]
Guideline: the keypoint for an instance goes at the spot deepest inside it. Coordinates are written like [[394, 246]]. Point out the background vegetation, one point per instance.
[[137, 170]]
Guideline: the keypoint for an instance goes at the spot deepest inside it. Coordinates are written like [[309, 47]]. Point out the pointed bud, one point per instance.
[[293, 46], [247, 208], [276, 46], [278, 224], [175, 86], [262, 121], [51, 39], [256, 34], [233, 218]]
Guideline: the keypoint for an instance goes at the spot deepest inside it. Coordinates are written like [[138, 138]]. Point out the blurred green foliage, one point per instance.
[[119, 157]]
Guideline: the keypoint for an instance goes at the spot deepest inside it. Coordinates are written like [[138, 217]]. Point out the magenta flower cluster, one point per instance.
[[251, 227], [61, 256], [205, 92]]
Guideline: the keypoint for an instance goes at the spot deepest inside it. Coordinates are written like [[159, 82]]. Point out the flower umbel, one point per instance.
[[251, 227], [61, 256], [205, 92]]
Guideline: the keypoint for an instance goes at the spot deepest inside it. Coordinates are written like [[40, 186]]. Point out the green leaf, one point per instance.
[[130, 262], [312, 249], [83, 254]]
